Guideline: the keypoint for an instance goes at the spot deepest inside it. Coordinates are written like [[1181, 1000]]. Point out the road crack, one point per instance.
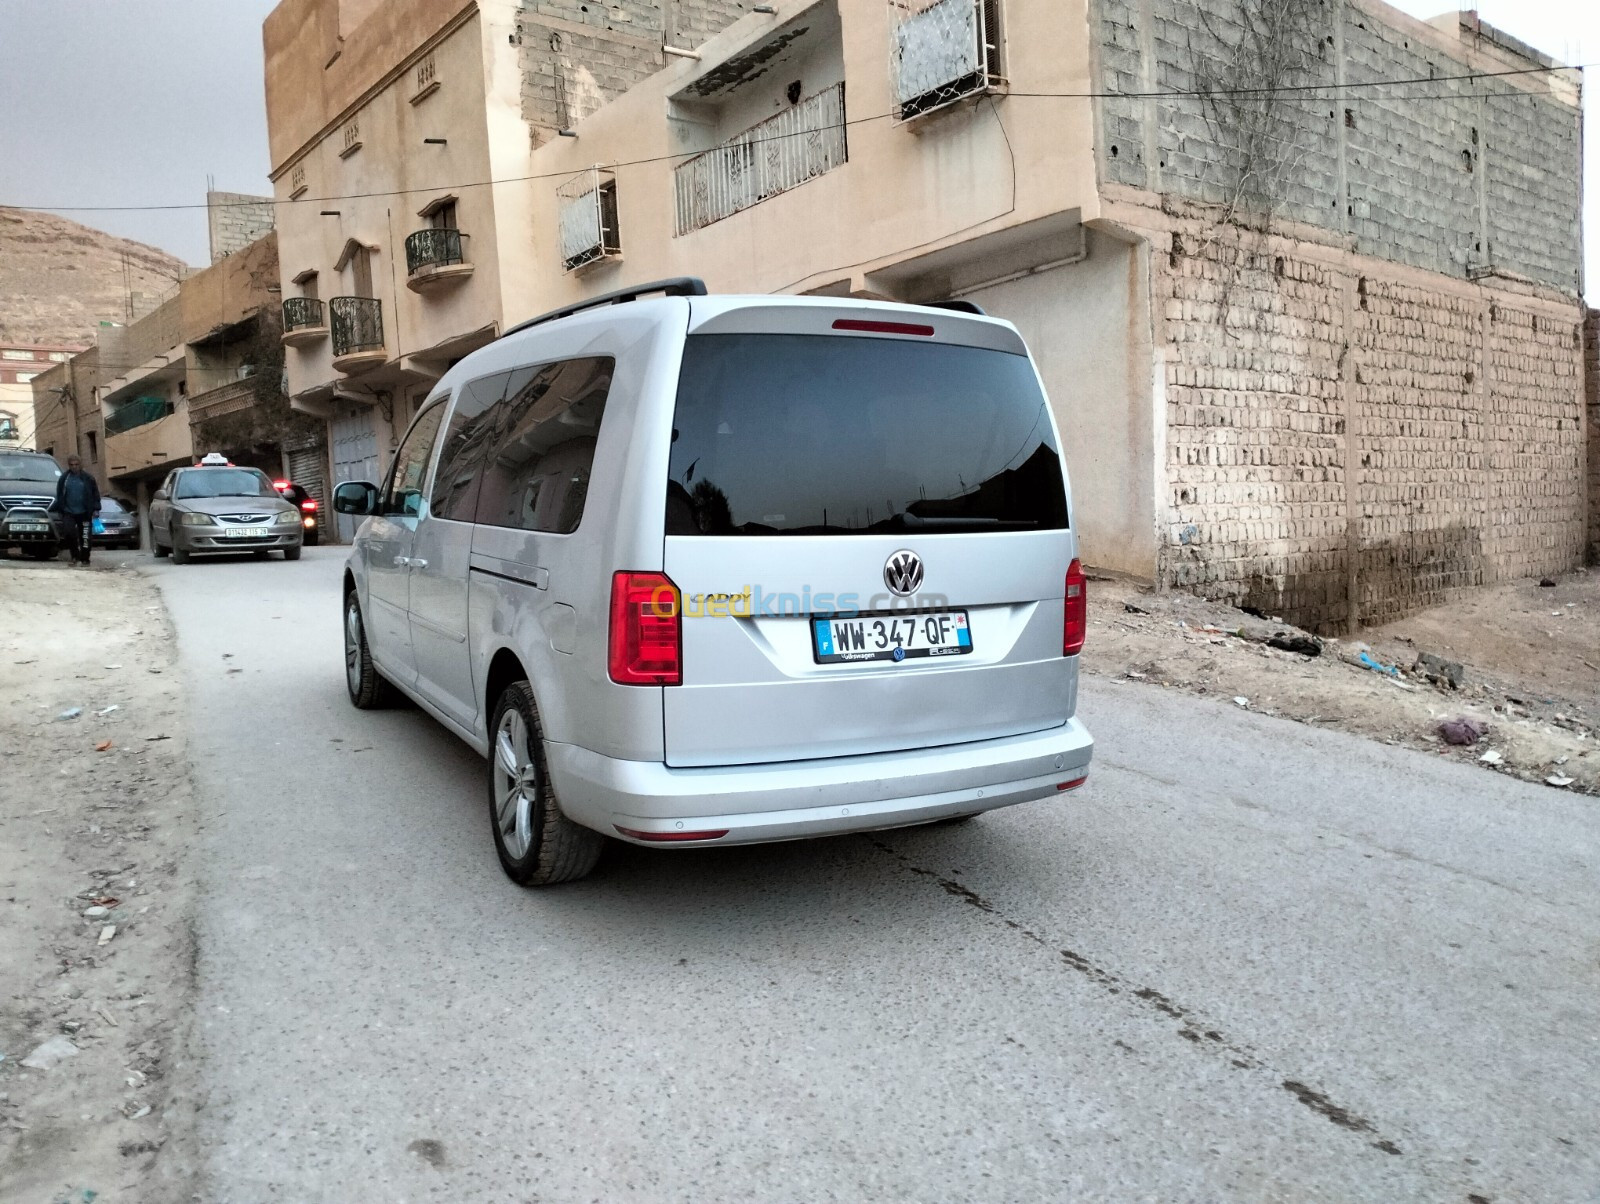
[[1151, 1000]]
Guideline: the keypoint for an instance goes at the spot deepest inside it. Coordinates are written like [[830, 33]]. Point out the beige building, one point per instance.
[[20, 365], [200, 373], [1318, 356]]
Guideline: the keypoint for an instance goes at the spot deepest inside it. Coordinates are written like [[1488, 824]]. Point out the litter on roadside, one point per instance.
[[1462, 732], [106, 933], [1368, 661], [1558, 779], [51, 1053], [109, 709], [70, 713], [103, 746], [1492, 757]]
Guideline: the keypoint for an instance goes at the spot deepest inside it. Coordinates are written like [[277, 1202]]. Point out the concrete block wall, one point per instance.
[[1350, 440], [577, 56], [1591, 375], [1257, 428], [236, 220], [1443, 176]]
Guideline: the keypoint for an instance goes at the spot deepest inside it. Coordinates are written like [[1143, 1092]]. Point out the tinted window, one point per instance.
[[34, 469], [808, 434], [110, 505], [466, 443], [536, 477], [224, 482], [404, 494]]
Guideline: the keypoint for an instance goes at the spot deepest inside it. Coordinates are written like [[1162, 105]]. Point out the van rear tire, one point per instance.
[[536, 843]]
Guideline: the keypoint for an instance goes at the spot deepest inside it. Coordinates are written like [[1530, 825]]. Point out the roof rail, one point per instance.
[[677, 286], [960, 307]]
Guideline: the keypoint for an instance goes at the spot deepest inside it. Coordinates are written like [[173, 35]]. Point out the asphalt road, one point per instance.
[[1251, 961]]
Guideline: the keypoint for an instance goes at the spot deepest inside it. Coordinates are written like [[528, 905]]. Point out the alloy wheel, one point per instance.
[[352, 646], [516, 784]]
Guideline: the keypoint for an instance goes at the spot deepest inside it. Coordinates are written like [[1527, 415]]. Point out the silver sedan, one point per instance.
[[219, 509]]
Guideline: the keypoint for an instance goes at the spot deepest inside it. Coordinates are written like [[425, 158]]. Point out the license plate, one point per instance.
[[246, 532], [891, 637], [30, 526]]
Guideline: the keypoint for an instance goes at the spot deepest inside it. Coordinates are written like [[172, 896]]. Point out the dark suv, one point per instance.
[[27, 490]]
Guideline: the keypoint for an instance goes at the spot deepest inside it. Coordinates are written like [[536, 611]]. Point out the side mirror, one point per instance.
[[356, 497], [160, 495]]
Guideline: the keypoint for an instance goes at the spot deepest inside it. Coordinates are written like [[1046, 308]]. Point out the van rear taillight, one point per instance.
[[646, 647], [1076, 624]]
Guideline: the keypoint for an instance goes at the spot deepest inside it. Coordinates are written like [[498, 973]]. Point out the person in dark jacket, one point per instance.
[[78, 503]]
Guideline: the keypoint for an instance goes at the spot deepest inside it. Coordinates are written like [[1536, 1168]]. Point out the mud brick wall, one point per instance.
[[1591, 373], [1349, 440], [577, 56]]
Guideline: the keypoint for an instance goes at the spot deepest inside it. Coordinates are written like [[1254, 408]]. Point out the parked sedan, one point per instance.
[[118, 526], [220, 508]]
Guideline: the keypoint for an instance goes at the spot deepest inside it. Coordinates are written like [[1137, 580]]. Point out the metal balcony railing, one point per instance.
[[302, 313], [141, 411], [433, 248], [357, 324], [782, 152]]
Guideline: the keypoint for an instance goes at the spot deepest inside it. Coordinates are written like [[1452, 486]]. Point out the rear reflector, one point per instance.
[[646, 644], [882, 327], [1072, 785], [309, 504], [1076, 621], [669, 837]]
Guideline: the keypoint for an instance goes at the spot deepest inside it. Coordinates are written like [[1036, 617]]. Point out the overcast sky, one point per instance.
[[135, 102]]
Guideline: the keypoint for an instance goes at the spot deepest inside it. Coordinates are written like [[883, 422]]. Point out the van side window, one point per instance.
[[403, 495], [537, 475], [466, 443]]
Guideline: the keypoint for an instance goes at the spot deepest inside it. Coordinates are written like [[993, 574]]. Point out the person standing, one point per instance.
[[78, 502]]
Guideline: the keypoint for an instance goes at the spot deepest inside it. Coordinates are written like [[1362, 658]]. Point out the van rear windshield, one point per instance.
[[779, 434]]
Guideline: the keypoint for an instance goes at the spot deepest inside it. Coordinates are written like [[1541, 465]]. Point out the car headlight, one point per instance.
[[288, 516], [191, 519]]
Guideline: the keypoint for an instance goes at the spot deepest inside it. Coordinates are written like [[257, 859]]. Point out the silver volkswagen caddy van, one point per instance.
[[711, 570]]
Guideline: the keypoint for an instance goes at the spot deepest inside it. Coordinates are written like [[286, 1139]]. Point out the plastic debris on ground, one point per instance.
[[1462, 732], [49, 1054]]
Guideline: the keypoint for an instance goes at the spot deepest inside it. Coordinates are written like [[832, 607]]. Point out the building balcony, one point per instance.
[[141, 411], [303, 321], [943, 52], [224, 399], [357, 327], [784, 151], [588, 221], [435, 257], [150, 448]]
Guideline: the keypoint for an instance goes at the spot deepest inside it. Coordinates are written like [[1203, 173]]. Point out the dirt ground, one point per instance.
[[1529, 654], [96, 951]]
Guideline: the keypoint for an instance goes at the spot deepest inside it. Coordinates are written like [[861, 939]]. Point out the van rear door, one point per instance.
[[868, 520]]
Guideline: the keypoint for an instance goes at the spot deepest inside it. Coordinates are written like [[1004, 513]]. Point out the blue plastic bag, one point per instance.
[[99, 527]]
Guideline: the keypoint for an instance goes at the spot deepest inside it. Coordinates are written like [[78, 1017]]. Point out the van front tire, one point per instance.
[[537, 844], [369, 690]]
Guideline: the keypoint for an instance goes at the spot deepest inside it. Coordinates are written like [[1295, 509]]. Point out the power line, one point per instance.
[[1305, 91]]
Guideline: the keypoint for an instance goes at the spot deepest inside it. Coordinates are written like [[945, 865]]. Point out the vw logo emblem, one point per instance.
[[903, 573], [899, 654]]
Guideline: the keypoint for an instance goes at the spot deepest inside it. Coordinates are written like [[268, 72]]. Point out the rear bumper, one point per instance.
[[796, 799]]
